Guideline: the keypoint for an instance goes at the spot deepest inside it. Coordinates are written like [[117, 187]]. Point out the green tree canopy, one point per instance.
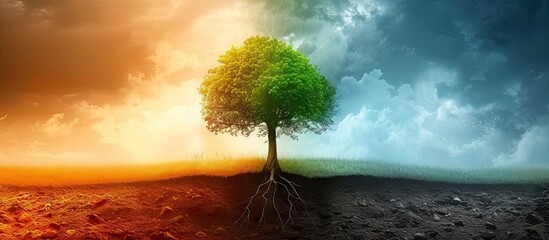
[[266, 85]]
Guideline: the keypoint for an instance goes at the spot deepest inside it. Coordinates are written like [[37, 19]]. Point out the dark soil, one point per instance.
[[338, 208]]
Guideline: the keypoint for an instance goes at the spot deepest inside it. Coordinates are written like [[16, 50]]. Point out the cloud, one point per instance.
[[116, 86], [55, 126], [531, 148], [461, 86], [4, 117], [160, 120], [408, 124], [66, 47]]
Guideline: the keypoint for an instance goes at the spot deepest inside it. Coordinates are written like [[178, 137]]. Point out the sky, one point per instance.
[[439, 83]]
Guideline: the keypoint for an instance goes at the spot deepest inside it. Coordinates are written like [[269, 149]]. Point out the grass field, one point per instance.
[[59, 175], [328, 168]]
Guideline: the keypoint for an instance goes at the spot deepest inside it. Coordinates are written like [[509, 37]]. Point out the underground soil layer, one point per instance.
[[353, 207]]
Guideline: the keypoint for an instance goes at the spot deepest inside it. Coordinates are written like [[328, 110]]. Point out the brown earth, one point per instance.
[[337, 208]]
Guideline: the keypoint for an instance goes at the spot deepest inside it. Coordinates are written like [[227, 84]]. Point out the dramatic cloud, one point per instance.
[[464, 83], [99, 82]]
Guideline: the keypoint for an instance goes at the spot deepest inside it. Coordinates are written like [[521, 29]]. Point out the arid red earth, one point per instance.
[[351, 207]]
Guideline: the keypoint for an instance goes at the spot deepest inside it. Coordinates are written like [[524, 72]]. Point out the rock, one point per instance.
[[531, 232], [47, 206], [490, 226], [420, 236], [442, 213], [200, 234], [412, 207], [166, 211], [436, 217], [192, 194], [458, 224], [100, 202], [220, 231], [534, 218], [15, 209], [55, 226], [71, 232], [24, 218], [95, 219], [456, 201], [343, 226], [487, 235], [478, 215], [176, 219], [408, 219], [449, 229], [49, 234], [514, 212]]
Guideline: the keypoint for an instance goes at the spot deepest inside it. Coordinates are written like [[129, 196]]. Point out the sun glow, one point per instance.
[[152, 114]]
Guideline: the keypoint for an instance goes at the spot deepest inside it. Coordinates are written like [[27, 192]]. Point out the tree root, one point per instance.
[[267, 192]]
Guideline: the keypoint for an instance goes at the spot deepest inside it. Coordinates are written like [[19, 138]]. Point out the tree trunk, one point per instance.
[[271, 166]]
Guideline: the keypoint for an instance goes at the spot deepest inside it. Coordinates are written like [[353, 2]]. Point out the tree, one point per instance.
[[266, 85]]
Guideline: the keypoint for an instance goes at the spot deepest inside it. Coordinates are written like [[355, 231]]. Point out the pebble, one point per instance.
[[176, 219], [200, 234], [220, 231], [95, 219], [534, 218], [49, 234], [169, 236], [165, 211], [55, 226], [24, 218], [420, 236], [490, 226]]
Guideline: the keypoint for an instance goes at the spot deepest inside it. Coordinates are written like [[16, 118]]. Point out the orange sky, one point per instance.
[[98, 82]]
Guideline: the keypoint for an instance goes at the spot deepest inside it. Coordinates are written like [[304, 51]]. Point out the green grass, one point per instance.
[[330, 168]]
